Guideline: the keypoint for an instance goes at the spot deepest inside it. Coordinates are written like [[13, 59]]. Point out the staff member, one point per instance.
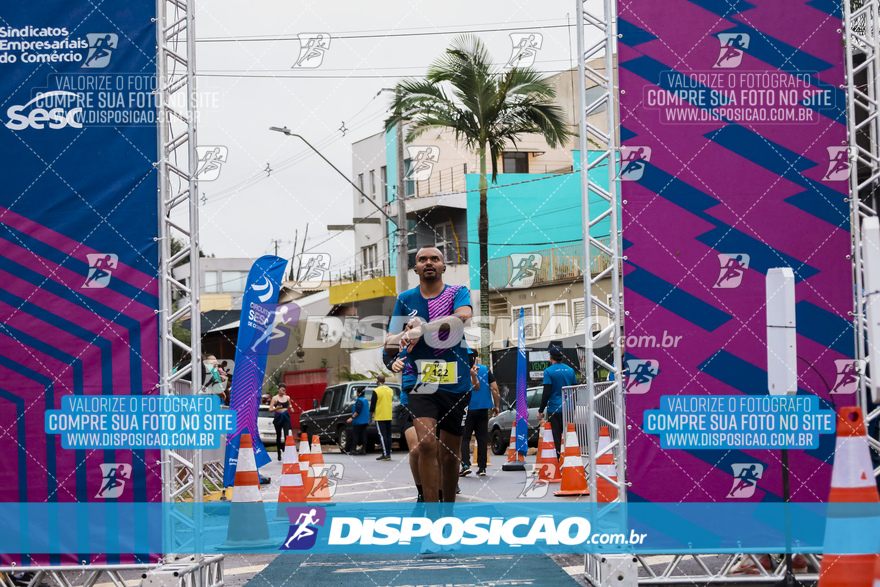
[[484, 397], [380, 407], [556, 376], [360, 417]]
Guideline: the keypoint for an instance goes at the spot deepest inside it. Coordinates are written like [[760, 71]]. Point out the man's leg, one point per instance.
[[448, 447], [466, 442], [556, 428], [481, 427], [412, 443], [385, 426], [429, 472], [351, 441], [361, 433]]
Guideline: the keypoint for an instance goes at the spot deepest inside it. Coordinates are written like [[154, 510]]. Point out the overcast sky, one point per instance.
[[246, 85]]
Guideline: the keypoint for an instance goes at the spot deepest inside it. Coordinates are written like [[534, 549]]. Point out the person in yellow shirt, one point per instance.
[[380, 406]]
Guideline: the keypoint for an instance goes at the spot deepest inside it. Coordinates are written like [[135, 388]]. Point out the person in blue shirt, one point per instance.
[[556, 376], [484, 399], [360, 417], [428, 323]]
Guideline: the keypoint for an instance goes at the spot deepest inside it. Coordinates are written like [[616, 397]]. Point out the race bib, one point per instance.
[[437, 372]]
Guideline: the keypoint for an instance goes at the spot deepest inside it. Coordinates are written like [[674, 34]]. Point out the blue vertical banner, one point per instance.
[[522, 409], [79, 265], [258, 307]]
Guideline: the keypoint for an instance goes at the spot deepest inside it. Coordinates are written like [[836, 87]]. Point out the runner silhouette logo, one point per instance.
[[304, 523], [113, 478], [745, 479], [733, 267], [101, 267], [632, 164], [733, 45], [838, 164], [101, 47]]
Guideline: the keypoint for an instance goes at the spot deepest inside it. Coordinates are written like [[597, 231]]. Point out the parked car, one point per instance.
[[500, 425], [328, 418], [265, 426]]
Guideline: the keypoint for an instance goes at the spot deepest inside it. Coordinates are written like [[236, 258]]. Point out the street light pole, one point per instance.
[[402, 225]]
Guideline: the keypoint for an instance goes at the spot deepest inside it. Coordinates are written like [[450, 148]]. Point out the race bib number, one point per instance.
[[437, 372]]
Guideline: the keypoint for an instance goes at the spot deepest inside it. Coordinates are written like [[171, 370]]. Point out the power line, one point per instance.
[[259, 39]]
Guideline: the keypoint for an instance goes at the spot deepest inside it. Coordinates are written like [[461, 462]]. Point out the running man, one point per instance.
[[428, 323], [112, 481], [303, 530]]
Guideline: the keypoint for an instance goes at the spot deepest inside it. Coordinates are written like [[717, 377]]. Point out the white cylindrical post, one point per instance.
[[781, 333]]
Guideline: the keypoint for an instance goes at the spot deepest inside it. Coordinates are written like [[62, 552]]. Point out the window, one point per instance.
[[411, 244], [577, 307], [373, 183], [409, 184], [529, 325], [383, 179], [598, 319], [514, 162], [445, 241], [554, 318], [361, 185], [370, 256], [233, 281], [211, 282]]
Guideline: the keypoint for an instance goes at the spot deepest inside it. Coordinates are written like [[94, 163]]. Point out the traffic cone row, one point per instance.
[[605, 491], [305, 455], [292, 488], [574, 478], [319, 486], [852, 481], [546, 461]]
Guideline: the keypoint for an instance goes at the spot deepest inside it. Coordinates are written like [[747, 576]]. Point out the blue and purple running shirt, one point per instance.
[[433, 363]]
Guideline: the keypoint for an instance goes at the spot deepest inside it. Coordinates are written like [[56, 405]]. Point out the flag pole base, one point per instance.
[[514, 466]]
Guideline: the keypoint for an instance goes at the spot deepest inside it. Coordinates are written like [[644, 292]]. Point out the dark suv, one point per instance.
[[328, 418]]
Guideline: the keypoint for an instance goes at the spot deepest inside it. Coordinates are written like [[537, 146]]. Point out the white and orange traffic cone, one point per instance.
[[852, 481], [574, 478], [292, 487], [247, 518], [546, 461], [515, 461], [319, 487], [605, 491], [305, 461]]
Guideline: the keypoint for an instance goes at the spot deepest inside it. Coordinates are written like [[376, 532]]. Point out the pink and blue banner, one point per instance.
[[733, 161], [78, 262]]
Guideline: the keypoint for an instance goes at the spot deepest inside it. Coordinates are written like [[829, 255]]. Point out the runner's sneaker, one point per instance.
[[747, 565], [457, 488], [465, 470], [481, 471]]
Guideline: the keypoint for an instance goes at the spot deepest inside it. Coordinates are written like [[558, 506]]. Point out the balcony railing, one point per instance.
[[442, 181], [553, 264]]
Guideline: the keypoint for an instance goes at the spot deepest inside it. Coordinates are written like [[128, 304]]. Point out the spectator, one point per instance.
[[380, 407], [360, 417]]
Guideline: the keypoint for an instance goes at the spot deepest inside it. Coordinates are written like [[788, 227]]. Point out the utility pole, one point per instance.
[[402, 225]]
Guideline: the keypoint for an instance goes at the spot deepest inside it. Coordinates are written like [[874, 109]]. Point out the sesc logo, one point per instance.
[[59, 116]]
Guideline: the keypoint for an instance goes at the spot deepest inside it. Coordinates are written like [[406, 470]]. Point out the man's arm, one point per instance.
[[545, 397], [373, 402], [496, 396]]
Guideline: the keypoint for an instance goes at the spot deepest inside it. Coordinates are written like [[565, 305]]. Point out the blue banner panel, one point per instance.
[[78, 263]]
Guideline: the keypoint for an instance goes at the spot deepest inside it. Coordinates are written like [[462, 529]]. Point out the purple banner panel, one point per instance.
[[733, 162]]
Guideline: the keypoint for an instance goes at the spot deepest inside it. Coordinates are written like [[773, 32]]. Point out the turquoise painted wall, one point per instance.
[[391, 183], [532, 216]]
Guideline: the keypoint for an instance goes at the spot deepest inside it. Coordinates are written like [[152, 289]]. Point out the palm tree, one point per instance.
[[488, 108]]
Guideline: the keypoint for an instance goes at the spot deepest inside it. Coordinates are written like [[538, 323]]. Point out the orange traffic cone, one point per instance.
[[515, 461], [546, 461], [574, 478], [305, 455], [606, 491], [319, 488], [247, 523], [292, 488], [852, 481]]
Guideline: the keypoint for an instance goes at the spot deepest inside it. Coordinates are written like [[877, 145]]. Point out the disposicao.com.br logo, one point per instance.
[[473, 531]]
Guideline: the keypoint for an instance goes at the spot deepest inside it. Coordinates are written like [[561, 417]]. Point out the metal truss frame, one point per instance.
[[182, 475], [861, 35]]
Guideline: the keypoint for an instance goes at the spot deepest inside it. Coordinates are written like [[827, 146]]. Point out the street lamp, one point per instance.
[[400, 222]]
